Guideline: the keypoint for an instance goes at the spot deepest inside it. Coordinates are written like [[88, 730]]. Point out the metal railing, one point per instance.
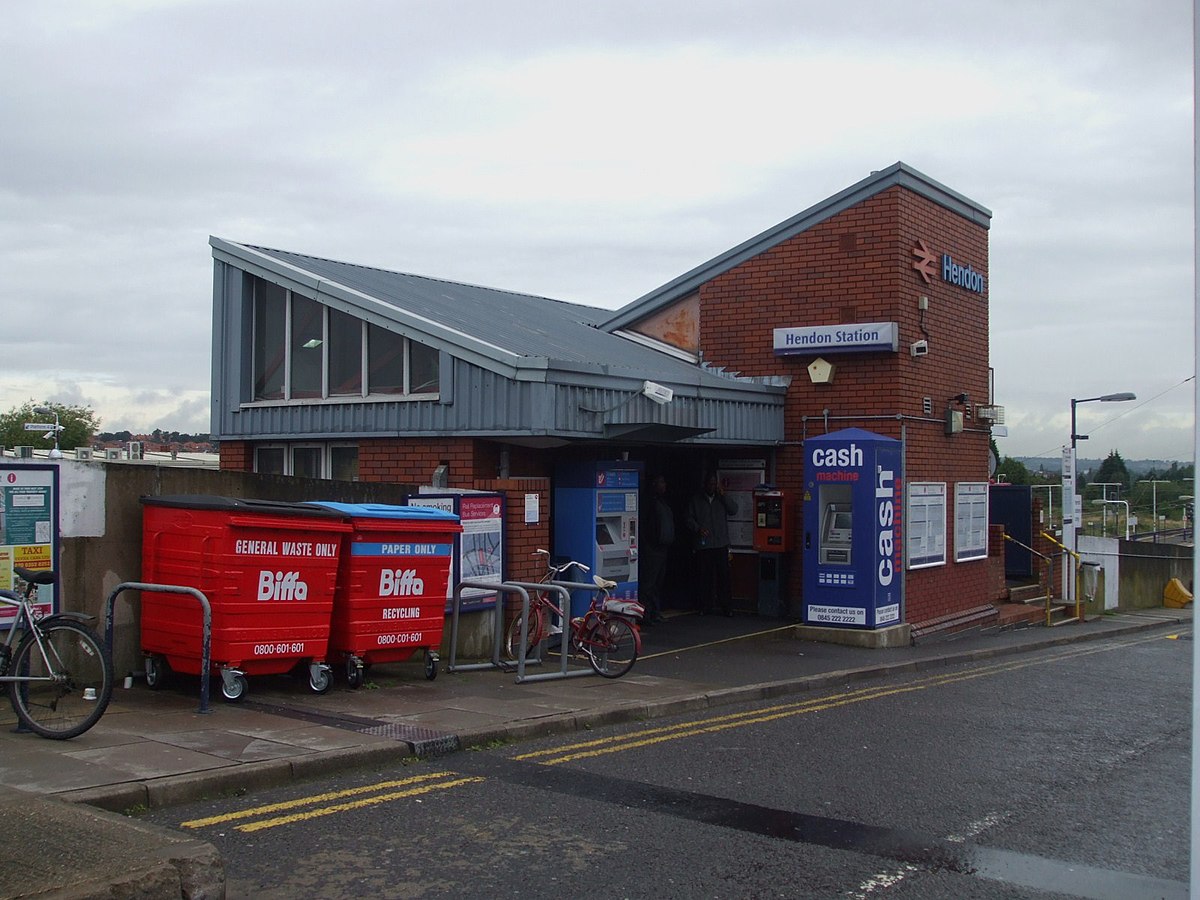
[[1049, 571], [521, 589], [206, 637]]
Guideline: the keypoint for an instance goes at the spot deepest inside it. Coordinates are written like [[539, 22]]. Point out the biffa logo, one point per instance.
[[400, 583], [281, 586]]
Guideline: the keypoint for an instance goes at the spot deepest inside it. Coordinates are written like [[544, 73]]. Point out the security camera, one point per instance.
[[919, 348]]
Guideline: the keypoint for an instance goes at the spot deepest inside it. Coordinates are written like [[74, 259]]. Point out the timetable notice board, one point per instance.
[[28, 529]]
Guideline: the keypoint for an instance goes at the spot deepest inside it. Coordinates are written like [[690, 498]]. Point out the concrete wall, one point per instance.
[[1147, 567], [1135, 572], [101, 525]]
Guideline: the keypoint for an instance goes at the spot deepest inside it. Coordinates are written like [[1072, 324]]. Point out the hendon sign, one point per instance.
[[861, 337]]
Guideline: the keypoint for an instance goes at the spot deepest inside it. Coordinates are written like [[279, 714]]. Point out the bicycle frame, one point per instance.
[[22, 620]]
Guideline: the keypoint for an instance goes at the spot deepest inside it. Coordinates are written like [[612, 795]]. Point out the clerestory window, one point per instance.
[[305, 350]]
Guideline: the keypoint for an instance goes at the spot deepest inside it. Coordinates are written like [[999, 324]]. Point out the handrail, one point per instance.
[[1078, 562], [1049, 570], [206, 635]]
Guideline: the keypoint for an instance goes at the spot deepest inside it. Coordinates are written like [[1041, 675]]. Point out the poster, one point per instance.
[[28, 530], [480, 546]]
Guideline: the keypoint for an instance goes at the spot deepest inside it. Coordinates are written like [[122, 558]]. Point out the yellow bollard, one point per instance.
[[1175, 595]]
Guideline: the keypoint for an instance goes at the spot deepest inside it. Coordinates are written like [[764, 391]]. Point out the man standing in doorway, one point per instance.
[[658, 534], [708, 519]]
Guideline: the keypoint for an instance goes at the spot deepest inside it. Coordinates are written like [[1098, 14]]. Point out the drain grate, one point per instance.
[[424, 741]]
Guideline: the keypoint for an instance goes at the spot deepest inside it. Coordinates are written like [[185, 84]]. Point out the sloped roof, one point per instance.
[[877, 182], [503, 330]]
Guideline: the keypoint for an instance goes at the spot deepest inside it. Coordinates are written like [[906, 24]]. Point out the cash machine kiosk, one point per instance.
[[853, 545], [596, 523]]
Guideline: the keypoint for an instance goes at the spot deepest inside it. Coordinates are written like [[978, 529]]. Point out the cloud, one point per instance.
[[591, 153]]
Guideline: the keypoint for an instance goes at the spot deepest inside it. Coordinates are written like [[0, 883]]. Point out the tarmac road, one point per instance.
[[1060, 772]]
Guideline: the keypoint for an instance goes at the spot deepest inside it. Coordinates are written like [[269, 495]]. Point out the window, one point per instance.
[[270, 323], [269, 460], [304, 350], [926, 524], [970, 520], [337, 461], [345, 356], [306, 462]]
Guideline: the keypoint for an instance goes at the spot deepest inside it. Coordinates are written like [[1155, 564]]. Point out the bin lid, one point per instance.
[[238, 505], [387, 511]]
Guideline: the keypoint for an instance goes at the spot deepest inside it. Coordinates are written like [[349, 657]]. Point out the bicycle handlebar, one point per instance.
[[558, 570]]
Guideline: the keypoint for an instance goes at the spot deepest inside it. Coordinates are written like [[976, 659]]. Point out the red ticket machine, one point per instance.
[[773, 514]]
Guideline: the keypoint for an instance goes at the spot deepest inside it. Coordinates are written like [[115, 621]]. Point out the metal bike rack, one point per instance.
[[206, 640], [522, 589]]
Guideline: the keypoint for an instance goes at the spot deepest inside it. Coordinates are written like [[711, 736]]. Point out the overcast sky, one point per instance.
[[591, 152]]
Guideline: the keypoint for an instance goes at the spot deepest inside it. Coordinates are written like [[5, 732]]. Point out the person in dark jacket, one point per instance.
[[708, 520], [658, 534]]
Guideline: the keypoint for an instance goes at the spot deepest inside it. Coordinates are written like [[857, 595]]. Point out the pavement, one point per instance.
[[157, 748]]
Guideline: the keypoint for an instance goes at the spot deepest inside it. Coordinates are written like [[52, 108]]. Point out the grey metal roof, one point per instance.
[[519, 335], [897, 174]]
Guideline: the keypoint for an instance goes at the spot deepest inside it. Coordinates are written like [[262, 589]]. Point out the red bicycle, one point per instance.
[[607, 634]]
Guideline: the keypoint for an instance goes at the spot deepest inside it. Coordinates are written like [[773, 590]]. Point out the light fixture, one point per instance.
[[657, 392], [821, 371], [1106, 398], [311, 343]]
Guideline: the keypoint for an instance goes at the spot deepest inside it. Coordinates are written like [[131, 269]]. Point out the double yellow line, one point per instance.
[[306, 808], [276, 814], [658, 735]]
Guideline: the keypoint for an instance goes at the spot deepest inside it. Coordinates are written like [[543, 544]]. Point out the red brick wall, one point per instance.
[[857, 267], [522, 538], [997, 582], [237, 456]]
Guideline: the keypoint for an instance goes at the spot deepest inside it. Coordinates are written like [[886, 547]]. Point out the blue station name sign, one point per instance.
[[860, 337], [963, 276]]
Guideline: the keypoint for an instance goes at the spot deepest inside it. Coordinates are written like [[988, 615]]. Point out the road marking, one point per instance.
[[414, 786], [660, 734]]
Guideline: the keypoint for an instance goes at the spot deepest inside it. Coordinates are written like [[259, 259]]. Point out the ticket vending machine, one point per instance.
[[853, 540], [596, 523], [773, 516]]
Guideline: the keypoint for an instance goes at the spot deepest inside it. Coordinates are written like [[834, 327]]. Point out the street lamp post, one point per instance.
[[1125, 503], [1071, 522], [1154, 483]]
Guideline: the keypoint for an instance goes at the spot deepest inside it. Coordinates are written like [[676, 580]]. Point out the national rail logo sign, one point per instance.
[[927, 263]]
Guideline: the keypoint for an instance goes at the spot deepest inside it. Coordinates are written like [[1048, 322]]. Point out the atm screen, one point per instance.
[[841, 521], [603, 536]]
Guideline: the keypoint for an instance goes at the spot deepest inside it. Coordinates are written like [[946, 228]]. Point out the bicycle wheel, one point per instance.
[[79, 680], [512, 637], [612, 647]]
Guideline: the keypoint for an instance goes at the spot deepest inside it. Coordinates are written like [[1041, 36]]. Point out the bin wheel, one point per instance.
[[431, 667], [320, 680], [157, 672], [354, 672], [234, 688]]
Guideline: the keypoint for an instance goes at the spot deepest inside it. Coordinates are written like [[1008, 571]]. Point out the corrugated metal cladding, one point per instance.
[[575, 382], [486, 403]]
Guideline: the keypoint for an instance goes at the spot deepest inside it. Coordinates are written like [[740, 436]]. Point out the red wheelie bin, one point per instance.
[[269, 570], [391, 594]]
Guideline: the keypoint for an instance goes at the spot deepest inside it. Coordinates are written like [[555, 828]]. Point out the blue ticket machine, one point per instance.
[[853, 546], [596, 523]]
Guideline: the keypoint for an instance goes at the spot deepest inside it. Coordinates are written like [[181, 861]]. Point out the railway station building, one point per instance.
[[859, 324]]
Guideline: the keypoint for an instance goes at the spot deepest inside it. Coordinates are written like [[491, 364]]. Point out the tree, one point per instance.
[[1113, 470], [78, 423], [1014, 471]]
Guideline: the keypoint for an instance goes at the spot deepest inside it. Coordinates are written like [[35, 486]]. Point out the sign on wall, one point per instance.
[[860, 337], [28, 529]]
